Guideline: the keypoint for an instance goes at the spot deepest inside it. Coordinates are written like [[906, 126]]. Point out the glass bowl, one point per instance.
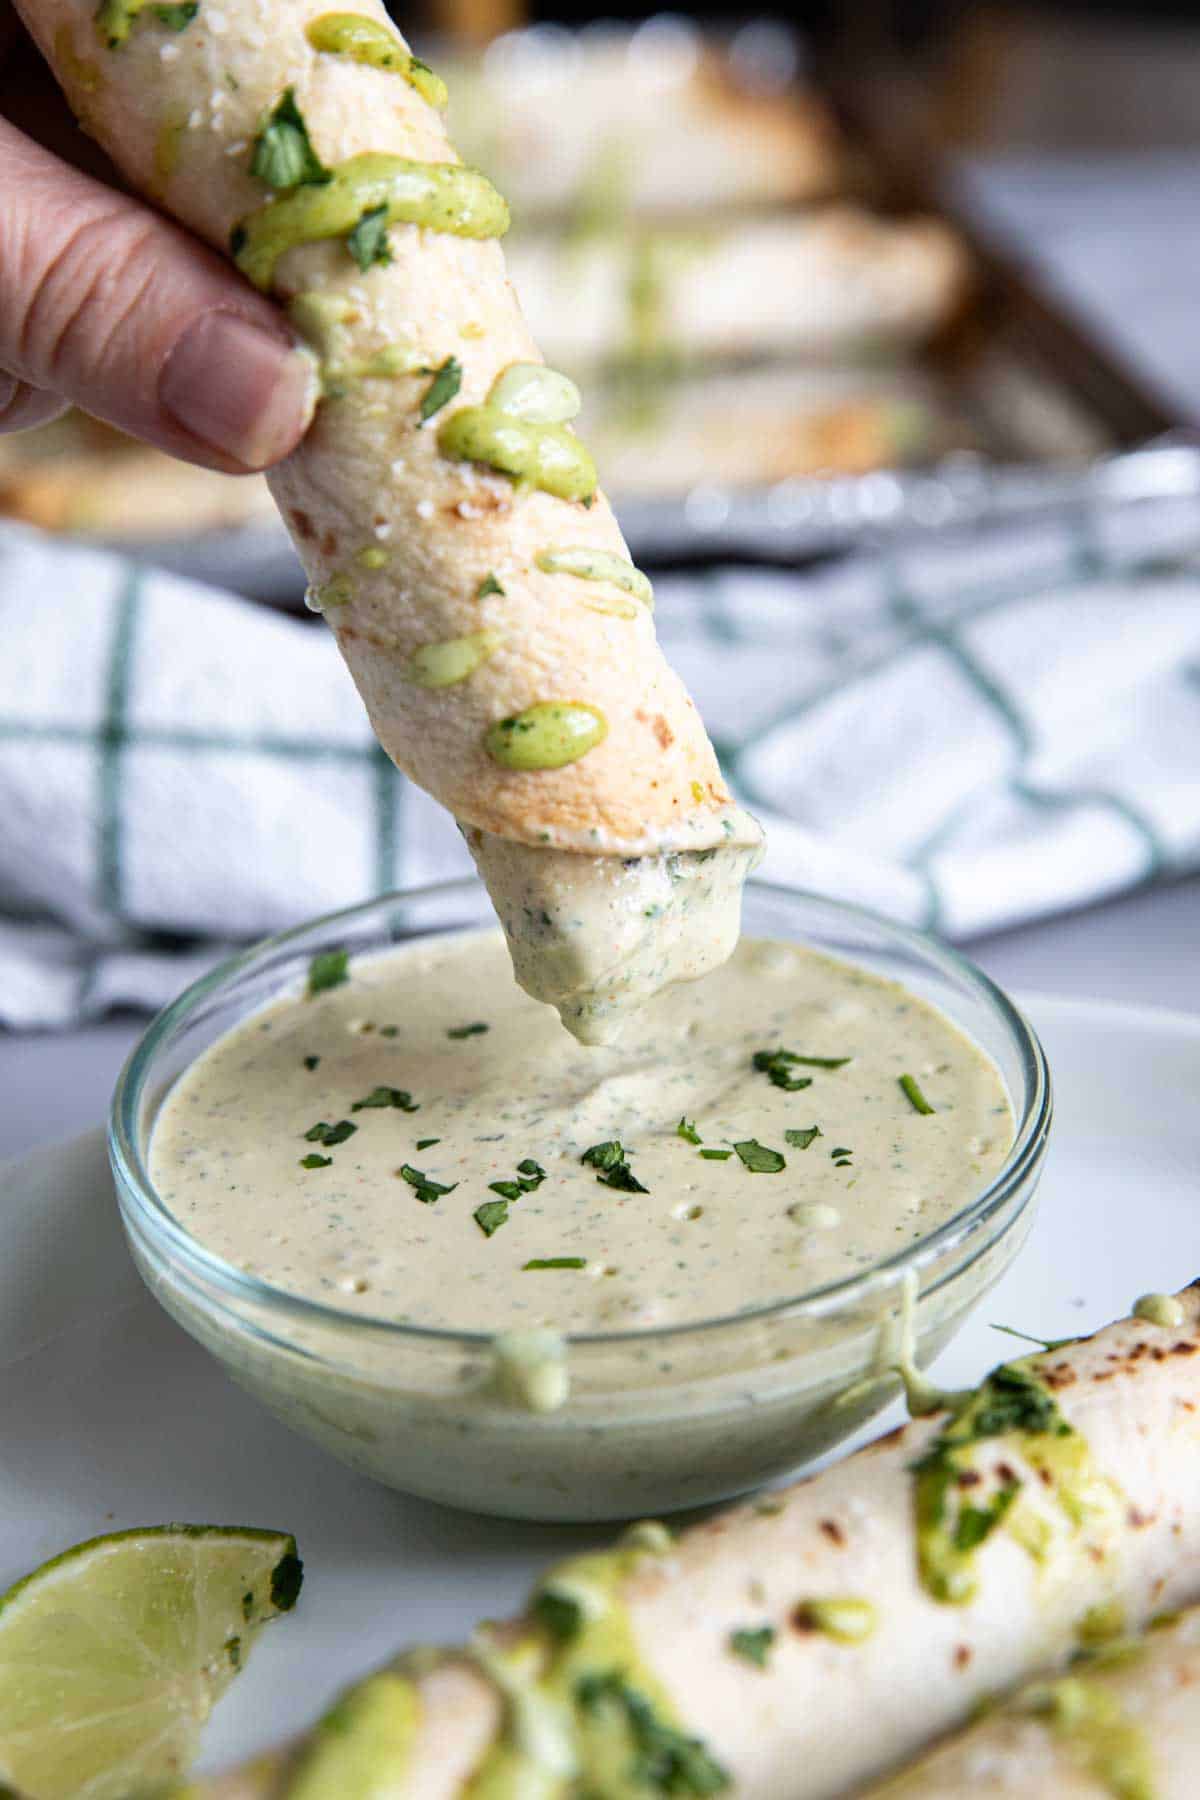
[[654, 1420]]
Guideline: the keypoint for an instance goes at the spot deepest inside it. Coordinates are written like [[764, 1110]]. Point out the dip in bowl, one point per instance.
[[497, 1269]]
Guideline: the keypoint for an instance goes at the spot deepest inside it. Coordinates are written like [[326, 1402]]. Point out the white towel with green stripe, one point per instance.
[[962, 734]]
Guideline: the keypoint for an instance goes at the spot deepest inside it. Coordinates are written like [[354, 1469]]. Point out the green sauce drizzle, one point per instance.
[[521, 431], [362, 1746], [115, 19], [446, 664], [584, 1713], [438, 196], [1095, 1728], [955, 1518], [596, 565], [365, 40], [546, 736]]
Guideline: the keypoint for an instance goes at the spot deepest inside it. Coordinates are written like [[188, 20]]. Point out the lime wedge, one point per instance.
[[113, 1654]]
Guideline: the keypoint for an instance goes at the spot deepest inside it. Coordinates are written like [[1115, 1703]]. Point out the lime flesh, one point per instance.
[[113, 1654]]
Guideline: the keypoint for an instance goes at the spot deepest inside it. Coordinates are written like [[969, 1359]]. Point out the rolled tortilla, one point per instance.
[[820, 285], [799, 1646], [500, 638], [1122, 1724]]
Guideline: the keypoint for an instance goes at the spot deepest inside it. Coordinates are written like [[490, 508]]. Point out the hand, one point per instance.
[[107, 306]]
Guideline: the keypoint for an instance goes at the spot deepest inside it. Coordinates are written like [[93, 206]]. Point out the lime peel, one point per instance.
[[130, 1639]]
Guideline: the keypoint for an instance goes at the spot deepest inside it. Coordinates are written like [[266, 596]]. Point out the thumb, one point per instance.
[[114, 309]]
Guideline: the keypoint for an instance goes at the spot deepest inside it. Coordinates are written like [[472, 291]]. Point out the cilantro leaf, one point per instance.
[[447, 379], [491, 1216], [758, 1158], [329, 1135], [466, 1031], [283, 155], [777, 1066], [753, 1646], [177, 18], [311, 1063], [368, 242], [489, 585], [313, 1161], [556, 1262], [666, 1761], [716, 1155], [427, 1191], [559, 1613], [328, 969], [400, 1098], [686, 1129], [800, 1140], [611, 1163]]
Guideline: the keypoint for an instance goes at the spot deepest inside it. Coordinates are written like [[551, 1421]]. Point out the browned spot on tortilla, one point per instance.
[[962, 1655], [833, 1531], [969, 1478], [329, 543], [1183, 1348], [663, 732], [1061, 1376], [302, 523], [1139, 1520], [802, 1619]]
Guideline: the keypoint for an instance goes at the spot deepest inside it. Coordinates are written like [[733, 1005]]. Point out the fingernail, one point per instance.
[[237, 388]]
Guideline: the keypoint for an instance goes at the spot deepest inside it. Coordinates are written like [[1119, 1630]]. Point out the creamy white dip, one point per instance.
[[442, 1046]]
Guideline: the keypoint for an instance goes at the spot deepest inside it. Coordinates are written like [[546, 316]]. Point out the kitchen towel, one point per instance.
[[963, 733]]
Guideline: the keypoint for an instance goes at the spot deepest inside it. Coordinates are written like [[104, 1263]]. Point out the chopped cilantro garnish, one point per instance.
[[489, 585], [447, 379], [491, 1216], [368, 242], [427, 1191], [283, 154], [841, 1150], [611, 1163], [754, 1645], [389, 1031], [233, 1645], [400, 1098], [800, 1140], [329, 1135], [977, 1523], [311, 1063], [716, 1155], [559, 1613], [530, 1175], [313, 1161], [328, 969], [758, 1158], [427, 1143], [177, 18], [665, 1761], [686, 1129], [466, 1031], [914, 1096], [777, 1066], [556, 1262]]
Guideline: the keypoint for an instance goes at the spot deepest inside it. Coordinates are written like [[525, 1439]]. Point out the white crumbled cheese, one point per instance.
[[466, 509], [424, 509], [195, 119], [383, 533], [398, 466], [217, 23], [169, 53], [236, 149]]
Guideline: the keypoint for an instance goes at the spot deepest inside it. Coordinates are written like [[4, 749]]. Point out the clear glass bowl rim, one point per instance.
[[177, 1245]]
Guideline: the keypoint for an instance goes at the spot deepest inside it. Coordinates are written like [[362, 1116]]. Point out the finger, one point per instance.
[[123, 314], [22, 407]]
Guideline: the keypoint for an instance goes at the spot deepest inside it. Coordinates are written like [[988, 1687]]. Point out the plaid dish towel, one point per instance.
[[961, 734]]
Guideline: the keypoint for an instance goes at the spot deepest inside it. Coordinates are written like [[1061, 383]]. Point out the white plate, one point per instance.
[[110, 1416]]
